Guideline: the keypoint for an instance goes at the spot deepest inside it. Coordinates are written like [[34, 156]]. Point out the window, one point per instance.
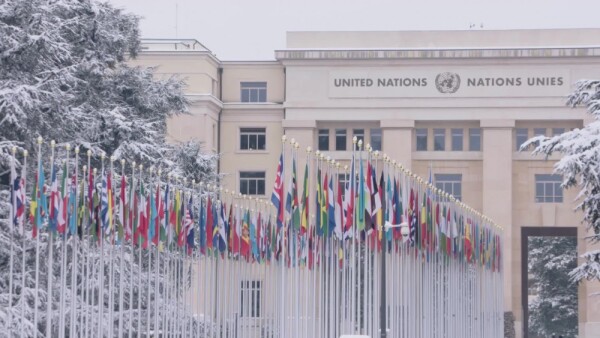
[[252, 139], [557, 131], [457, 139], [360, 135], [250, 294], [252, 182], [343, 179], [450, 183], [376, 139], [522, 136], [539, 131], [323, 139], [475, 139], [253, 91], [340, 139], [421, 139], [548, 189], [439, 139]]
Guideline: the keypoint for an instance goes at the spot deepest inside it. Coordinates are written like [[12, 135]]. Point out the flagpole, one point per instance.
[[283, 331], [11, 222], [50, 272], [123, 221], [35, 226], [63, 250], [111, 239], [139, 286], [75, 247], [23, 243]]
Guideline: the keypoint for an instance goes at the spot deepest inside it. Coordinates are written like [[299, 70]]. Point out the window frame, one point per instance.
[[251, 290], [249, 134], [345, 137], [436, 137], [473, 134], [250, 180], [449, 183], [253, 88], [419, 134], [551, 183], [517, 135], [376, 144], [319, 135], [453, 134]]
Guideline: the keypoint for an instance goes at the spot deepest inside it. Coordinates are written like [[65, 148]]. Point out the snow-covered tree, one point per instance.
[[553, 311], [64, 76], [580, 167]]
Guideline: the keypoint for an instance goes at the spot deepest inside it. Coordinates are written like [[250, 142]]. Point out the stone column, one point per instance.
[[497, 147], [397, 140]]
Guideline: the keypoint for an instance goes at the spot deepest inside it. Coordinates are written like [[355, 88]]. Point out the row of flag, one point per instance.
[[354, 206]]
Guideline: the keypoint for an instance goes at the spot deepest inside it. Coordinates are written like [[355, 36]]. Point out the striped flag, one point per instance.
[[277, 195]]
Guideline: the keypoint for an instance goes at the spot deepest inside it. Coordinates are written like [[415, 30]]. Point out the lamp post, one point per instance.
[[382, 310]]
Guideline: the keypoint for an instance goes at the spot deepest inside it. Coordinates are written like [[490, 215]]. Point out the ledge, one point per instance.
[[459, 53]]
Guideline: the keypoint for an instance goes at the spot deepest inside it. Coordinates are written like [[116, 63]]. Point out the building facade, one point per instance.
[[456, 103]]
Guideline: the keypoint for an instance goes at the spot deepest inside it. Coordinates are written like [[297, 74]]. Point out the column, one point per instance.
[[497, 147], [397, 140]]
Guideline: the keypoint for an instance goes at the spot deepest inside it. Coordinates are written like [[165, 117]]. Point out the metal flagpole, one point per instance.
[[111, 239], [123, 220], [61, 322], [139, 286], [50, 272], [75, 248], [37, 243], [151, 223], [131, 256], [101, 280], [11, 224], [157, 259], [21, 220]]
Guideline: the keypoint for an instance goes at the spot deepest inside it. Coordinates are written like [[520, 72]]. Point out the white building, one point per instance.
[[459, 101]]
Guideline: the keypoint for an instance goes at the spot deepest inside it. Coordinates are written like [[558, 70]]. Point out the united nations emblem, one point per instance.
[[447, 83]]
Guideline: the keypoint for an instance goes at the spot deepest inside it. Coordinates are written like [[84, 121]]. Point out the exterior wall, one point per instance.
[[301, 99]]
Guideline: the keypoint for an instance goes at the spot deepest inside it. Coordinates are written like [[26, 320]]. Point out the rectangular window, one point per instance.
[[340, 139], [323, 139], [251, 294], [376, 138], [522, 135], [421, 134], [457, 139], [360, 135], [557, 131], [343, 179], [539, 131], [548, 188], [475, 139], [252, 182], [253, 91], [439, 139], [253, 139], [450, 183]]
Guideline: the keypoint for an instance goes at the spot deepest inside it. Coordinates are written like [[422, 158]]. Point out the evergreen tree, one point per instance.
[[580, 167], [554, 309]]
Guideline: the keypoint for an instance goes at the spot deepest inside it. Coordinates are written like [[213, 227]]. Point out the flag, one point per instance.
[[236, 231], [305, 203], [152, 220], [349, 197], [318, 202], [72, 206], [253, 237], [245, 243], [123, 209], [295, 213], [142, 228], [277, 196], [202, 227], [221, 230], [330, 208], [209, 224], [104, 200], [54, 201], [189, 226], [18, 197], [339, 212], [360, 219], [165, 215]]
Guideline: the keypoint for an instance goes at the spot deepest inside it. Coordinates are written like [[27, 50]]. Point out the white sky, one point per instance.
[[253, 29]]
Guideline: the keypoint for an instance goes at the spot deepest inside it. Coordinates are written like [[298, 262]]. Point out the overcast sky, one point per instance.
[[252, 30]]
